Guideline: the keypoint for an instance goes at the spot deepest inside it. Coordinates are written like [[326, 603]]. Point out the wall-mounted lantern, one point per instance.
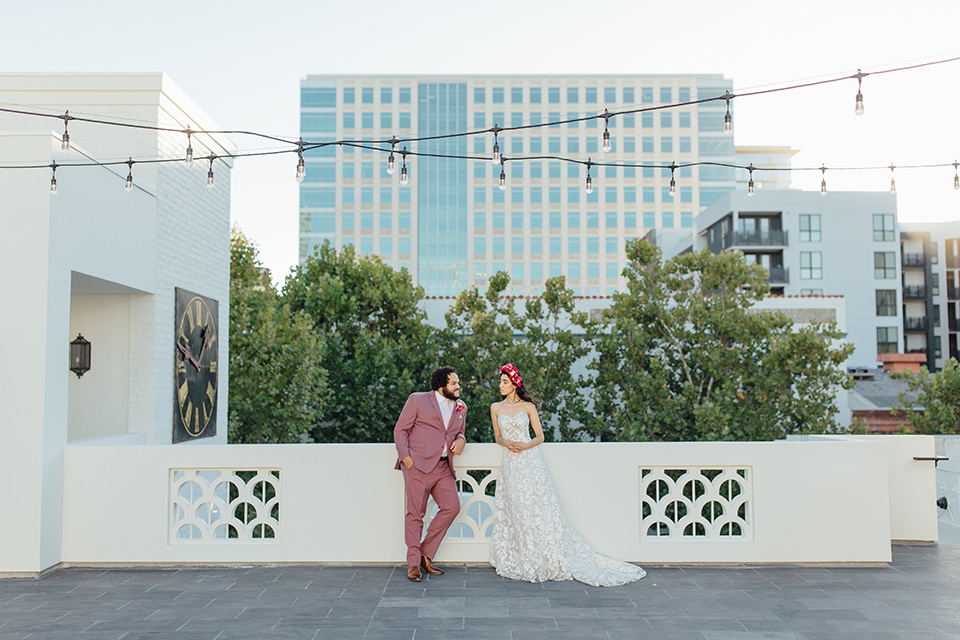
[[80, 355]]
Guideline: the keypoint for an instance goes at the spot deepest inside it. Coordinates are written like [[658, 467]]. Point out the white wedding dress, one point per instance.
[[531, 539]]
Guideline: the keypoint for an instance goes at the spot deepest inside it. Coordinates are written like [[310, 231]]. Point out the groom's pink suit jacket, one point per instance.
[[420, 432]]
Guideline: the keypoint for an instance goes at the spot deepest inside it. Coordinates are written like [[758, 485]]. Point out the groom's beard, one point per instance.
[[448, 395]]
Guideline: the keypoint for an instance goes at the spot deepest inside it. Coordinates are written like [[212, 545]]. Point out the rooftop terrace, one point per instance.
[[917, 597]]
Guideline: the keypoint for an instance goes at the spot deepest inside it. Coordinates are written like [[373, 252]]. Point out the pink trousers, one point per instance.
[[442, 485]]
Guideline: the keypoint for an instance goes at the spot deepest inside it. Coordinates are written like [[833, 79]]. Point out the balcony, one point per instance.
[[953, 293], [778, 275], [760, 239], [915, 292], [913, 261], [954, 324], [916, 325]]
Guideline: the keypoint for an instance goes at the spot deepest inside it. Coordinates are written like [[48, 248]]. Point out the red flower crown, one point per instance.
[[513, 373]]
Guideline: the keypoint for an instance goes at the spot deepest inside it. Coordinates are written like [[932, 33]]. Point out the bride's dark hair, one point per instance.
[[514, 374]]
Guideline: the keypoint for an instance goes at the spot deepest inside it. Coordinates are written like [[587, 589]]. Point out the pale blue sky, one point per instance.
[[242, 63]]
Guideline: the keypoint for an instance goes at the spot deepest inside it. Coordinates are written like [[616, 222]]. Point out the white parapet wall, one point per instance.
[[817, 501]]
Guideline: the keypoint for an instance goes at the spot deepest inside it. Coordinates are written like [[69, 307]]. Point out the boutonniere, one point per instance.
[[460, 406]]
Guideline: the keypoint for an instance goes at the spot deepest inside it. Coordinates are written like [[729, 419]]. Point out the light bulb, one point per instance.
[[496, 153], [503, 180], [956, 181], [188, 156], [750, 190], [391, 167], [404, 177], [589, 188], [893, 186], [129, 185], [673, 187], [53, 179], [823, 187], [859, 109], [728, 124], [210, 175], [65, 141], [606, 140], [301, 169]]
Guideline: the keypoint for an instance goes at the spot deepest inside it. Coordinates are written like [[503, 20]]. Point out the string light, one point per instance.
[[859, 108], [496, 147], [823, 181], [589, 187], [53, 178], [301, 165], [956, 177], [606, 132], [673, 182], [65, 141], [210, 172], [129, 185], [391, 166], [404, 176], [893, 183], [728, 119], [503, 173], [750, 189], [188, 156]]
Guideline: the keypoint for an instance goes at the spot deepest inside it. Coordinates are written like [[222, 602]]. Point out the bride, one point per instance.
[[531, 539]]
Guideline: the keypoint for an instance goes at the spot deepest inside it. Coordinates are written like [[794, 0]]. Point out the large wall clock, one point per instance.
[[196, 367]]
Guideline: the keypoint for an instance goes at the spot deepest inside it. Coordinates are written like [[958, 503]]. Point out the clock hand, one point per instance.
[[205, 336], [188, 356]]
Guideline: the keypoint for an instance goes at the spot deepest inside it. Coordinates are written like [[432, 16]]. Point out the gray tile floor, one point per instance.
[[916, 598]]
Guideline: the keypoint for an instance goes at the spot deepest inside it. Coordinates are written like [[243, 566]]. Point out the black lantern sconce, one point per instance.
[[80, 356]]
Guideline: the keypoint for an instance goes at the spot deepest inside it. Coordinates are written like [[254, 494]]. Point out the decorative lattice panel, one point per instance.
[[222, 506], [477, 489], [696, 504]]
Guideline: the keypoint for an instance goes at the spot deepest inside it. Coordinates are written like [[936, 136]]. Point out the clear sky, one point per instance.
[[242, 62]]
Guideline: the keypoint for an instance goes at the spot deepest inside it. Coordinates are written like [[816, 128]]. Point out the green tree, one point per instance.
[[277, 386], [939, 396], [377, 347], [683, 356], [543, 337]]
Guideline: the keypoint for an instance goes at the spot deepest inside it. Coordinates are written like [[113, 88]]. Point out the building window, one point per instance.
[[883, 225], [811, 292], [386, 95], [534, 95], [886, 302], [810, 227], [936, 316], [934, 284], [811, 265], [884, 265], [886, 340], [937, 348], [498, 97], [479, 95], [516, 95]]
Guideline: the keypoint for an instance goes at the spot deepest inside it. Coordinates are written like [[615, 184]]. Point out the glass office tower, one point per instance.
[[452, 226]]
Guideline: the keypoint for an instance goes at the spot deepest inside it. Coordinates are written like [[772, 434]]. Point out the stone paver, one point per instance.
[[916, 598]]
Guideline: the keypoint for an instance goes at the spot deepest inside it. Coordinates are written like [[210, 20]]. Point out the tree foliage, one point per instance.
[[277, 385], [544, 337], [939, 396], [683, 356], [377, 346]]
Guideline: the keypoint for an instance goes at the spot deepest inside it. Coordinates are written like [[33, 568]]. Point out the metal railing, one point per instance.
[[760, 238], [913, 260], [914, 292], [915, 324], [778, 275]]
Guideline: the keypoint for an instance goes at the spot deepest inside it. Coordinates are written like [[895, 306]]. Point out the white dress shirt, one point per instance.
[[446, 409]]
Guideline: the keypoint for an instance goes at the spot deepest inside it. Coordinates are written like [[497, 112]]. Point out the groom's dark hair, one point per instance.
[[439, 378]]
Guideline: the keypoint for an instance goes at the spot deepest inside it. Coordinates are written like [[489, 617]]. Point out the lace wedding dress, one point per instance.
[[531, 539]]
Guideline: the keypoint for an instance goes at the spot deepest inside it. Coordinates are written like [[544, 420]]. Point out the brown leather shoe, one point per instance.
[[413, 574], [428, 566]]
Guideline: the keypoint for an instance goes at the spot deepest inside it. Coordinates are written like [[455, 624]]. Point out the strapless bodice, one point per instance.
[[515, 428]]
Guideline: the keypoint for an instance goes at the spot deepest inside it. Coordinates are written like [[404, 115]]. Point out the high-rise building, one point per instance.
[[453, 225]]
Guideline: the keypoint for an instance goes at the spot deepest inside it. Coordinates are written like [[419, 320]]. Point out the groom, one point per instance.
[[428, 434]]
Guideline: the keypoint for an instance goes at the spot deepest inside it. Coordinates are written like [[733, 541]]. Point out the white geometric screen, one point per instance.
[[696, 504], [223, 506]]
